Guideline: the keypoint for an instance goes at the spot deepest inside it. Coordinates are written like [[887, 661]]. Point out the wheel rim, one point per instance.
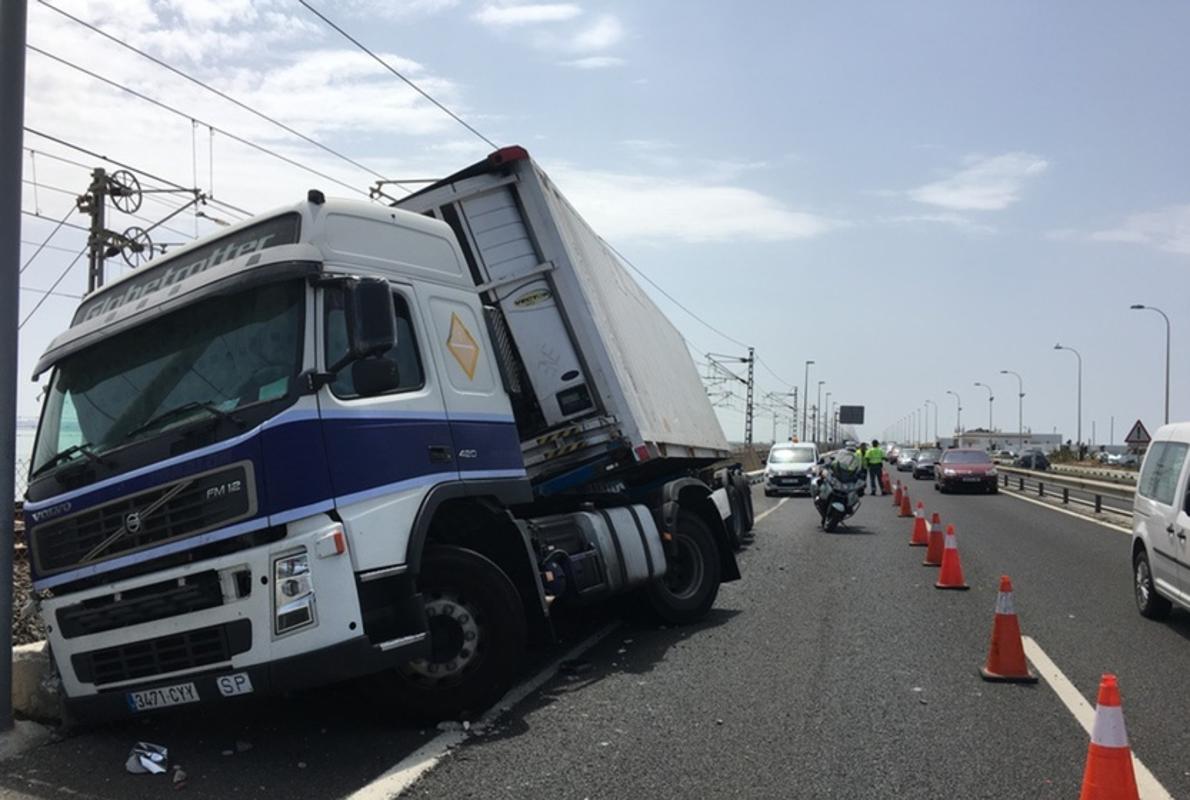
[[684, 573], [1144, 583], [456, 639]]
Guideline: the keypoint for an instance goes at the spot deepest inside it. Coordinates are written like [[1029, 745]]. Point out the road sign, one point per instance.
[[851, 415], [1138, 434]]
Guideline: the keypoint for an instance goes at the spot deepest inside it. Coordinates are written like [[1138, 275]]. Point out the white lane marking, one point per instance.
[[412, 767], [1112, 526], [1148, 785], [780, 503]]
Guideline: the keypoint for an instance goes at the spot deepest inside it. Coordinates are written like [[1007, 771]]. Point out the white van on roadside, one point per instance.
[[790, 467], [1161, 524]]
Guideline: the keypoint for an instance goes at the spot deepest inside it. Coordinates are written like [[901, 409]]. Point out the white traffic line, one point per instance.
[[1150, 788], [783, 501], [1110, 525], [413, 766]]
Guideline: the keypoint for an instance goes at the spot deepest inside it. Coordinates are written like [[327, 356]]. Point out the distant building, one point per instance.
[[1004, 440]]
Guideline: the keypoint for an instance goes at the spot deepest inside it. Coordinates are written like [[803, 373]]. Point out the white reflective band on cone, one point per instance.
[[951, 544], [1004, 604], [1109, 727]]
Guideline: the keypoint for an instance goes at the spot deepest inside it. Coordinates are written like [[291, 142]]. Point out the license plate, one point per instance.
[[972, 480], [163, 697], [236, 684]]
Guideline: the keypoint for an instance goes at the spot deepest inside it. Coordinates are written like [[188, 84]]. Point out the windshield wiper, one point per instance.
[[84, 448], [182, 410]]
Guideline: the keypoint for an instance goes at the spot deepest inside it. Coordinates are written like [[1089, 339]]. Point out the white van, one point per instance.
[[1161, 524], [790, 467]]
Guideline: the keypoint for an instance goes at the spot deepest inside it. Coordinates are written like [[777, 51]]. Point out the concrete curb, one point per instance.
[[35, 689]]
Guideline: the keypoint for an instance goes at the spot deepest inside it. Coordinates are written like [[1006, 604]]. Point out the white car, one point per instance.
[[1161, 524], [790, 468]]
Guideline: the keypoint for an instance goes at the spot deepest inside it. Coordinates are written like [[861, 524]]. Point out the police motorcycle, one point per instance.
[[837, 488]]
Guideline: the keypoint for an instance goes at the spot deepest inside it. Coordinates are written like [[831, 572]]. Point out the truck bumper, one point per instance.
[[343, 661]]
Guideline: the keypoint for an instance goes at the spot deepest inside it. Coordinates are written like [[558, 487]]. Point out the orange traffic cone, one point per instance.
[[905, 510], [935, 546], [1108, 774], [897, 496], [885, 485], [1006, 657], [920, 537], [951, 574]]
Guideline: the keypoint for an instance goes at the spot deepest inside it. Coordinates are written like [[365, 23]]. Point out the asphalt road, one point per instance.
[[834, 669]]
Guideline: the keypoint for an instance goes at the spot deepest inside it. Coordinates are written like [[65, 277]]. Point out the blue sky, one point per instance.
[[915, 195]]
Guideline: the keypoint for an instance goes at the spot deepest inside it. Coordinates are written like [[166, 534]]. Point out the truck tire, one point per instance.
[[477, 633], [1148, 602], [691, 582], [745, 486]]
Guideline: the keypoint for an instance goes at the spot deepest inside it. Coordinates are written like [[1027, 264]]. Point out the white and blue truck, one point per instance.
[[344, 439]]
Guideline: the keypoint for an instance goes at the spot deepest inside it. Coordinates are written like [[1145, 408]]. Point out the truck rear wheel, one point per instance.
[[477, 635], [691, 581]]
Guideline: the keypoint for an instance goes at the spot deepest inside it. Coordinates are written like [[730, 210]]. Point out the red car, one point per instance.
[[965, 468]]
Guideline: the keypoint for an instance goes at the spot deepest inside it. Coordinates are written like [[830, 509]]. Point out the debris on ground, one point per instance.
[[179, 777], [575, 666], [242, 746], [450, 726], [147, 758]]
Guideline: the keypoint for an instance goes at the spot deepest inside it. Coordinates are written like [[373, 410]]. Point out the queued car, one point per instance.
[[923, 465], [965, 468], [891, 452], [905, 458], [1032, 459], [1160, 547], [1121, 460], [789, 468]]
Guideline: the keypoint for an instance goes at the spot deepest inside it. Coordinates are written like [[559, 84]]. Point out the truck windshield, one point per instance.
[[200, 362]]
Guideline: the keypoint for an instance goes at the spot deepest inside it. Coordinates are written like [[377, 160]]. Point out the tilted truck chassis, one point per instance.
[[316, 447]]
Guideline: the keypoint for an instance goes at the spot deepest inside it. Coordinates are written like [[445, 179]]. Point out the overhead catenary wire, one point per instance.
[[137, 217], [51, 219], [246, 142], [31, 243], [219, 93], [123, 165], [49, 292], [394, 71], [42, 246]]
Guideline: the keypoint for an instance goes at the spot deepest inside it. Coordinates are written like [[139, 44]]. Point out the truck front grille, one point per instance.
[[173, 653], [182, 508], [144, 604]]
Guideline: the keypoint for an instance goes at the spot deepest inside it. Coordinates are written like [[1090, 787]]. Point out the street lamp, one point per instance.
[[818, 410], [826, 427], [991, 398], [958, 412], [1079, 356], [806, 400], [1139, 307], [1020, 407], [936, 434]]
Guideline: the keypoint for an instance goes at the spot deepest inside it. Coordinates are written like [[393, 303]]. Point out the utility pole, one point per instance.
[[13, 16], [94, 203], [806, 400], [751, 387]]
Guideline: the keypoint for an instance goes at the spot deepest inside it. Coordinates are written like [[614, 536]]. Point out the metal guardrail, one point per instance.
[[1071, 490]]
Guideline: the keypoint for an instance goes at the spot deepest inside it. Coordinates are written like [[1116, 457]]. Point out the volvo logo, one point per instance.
[[52, 511], [132, 522]]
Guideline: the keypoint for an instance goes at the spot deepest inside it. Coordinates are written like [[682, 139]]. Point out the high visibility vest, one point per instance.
[[875, 456]]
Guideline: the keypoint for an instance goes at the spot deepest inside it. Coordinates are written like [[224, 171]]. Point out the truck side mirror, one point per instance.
[[373, 376], [370, 316]]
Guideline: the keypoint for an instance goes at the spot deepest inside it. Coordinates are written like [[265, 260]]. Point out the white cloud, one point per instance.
[[504, 16], [1165, 229], [636, 206], [595, 62], [958, 221], [983, 184], [606, 32]]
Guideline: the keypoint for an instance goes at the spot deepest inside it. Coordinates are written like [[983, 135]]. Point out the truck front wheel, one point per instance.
[[691, 581], [477, 634]]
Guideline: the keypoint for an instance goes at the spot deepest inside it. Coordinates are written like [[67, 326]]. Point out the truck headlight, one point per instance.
[[293, 593]]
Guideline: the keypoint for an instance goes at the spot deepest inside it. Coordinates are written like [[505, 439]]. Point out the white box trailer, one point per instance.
[[598, 374]]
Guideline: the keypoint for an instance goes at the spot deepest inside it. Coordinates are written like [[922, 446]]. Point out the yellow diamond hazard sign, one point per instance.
[[462, 346]]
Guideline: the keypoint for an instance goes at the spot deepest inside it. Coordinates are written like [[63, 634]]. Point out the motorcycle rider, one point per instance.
[[874, 459]]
